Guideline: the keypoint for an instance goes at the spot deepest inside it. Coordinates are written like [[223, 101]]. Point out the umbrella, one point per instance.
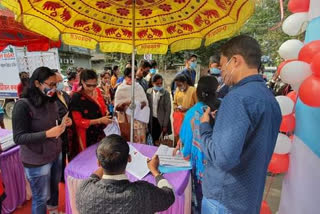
[[14, 33], [129, 26]]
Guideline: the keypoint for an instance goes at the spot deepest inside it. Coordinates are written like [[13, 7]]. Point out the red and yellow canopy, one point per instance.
[[180, 24]]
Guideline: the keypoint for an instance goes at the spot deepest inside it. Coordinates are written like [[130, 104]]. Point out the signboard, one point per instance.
[[9, 72]]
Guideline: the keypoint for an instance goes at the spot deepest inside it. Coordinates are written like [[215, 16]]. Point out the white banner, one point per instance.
[[9, 72]]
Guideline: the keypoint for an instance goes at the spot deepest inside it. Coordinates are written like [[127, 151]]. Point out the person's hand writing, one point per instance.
[[55, 132], [153, 165], [176, 150]]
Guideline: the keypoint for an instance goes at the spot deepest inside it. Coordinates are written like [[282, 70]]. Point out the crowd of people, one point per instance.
[[226, 125]]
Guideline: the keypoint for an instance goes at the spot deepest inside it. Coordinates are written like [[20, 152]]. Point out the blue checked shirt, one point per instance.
[[240, 146]]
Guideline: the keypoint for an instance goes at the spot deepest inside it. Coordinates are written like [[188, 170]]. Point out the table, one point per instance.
[[13, 177], [85, 164]]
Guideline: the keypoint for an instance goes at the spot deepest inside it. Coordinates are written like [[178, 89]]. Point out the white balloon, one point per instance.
[[283, 145], [286, 105], [295, 72], [296, 87], [295, 24], [290, 49]]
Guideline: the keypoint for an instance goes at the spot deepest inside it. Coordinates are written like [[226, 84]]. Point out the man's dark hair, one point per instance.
[[88, 74], [32, 93], [190, 56], [127, 72], [106, 68], [206, 91], [245, 46], [214, 59], [156, 77], [144, 64], [153, 63], [113, 153], [71, 75], [180, 78]]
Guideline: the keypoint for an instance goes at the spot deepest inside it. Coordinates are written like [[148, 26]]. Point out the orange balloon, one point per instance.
[[293, 96], [308, 51], [309, 91], [315, 65], [265, 209], [279, 163], [288, 123]]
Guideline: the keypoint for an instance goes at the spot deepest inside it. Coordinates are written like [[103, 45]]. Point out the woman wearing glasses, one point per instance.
[[123, 100], [36, 130], [89, 112]]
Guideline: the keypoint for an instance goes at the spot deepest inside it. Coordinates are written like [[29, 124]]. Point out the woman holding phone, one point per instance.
[[35, 129], [190, 140], [89, 112]]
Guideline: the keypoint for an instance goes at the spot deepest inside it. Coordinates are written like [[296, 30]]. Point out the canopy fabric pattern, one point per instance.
[[180, 24]]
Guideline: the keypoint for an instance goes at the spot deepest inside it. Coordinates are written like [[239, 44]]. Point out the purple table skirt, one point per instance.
[[85, 164], [13, 177]]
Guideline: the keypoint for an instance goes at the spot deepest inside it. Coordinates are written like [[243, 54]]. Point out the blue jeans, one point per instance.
[[44, 181], [210, 206]]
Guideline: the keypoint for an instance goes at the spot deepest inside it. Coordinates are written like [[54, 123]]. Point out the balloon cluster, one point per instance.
[[301, 68]]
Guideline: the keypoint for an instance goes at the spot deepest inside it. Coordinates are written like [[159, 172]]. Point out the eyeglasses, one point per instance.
[[51, 85], [91, 85]]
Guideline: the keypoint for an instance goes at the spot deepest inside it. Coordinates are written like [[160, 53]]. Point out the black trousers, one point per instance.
[[156, 129]]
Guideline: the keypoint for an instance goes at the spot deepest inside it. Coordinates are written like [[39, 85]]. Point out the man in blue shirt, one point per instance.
[[239, 147]]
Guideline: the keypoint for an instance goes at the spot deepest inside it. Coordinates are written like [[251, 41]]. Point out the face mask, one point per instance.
[[60, 86], [157, 88], [215, 71], [153, 71], [49, 92], [228, 76], [193, 65]]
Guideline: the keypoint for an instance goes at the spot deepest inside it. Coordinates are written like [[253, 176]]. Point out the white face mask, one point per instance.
[[228, 76]]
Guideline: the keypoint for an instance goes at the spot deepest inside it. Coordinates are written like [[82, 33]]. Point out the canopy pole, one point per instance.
[[133, 106]]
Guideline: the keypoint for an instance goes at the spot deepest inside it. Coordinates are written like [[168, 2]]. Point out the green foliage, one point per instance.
[[266, 16]]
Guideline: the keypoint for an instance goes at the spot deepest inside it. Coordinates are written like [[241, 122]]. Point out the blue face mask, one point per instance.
[[215, 71], [153, 71], [60, 86], [156, 88], [193, 65]]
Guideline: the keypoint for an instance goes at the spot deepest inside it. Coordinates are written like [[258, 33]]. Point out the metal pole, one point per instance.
[[133, 106]]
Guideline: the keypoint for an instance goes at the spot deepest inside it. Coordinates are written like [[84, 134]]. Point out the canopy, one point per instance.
[[180, 24], [14, 33]]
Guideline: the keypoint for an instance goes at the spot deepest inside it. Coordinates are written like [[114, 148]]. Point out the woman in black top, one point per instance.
[[35, 129]]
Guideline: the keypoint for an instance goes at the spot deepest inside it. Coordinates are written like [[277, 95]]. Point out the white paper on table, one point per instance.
[[140, 114], [138, 166], [166, 157], [7, 142]]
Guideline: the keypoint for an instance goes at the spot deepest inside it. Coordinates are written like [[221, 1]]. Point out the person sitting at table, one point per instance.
[[108, 190], [123, 100], [35, 129], [190, 139], [89, 112]]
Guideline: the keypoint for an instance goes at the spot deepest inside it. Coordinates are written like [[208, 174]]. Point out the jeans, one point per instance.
[[44, 181], [210, 206], [196, 193]]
